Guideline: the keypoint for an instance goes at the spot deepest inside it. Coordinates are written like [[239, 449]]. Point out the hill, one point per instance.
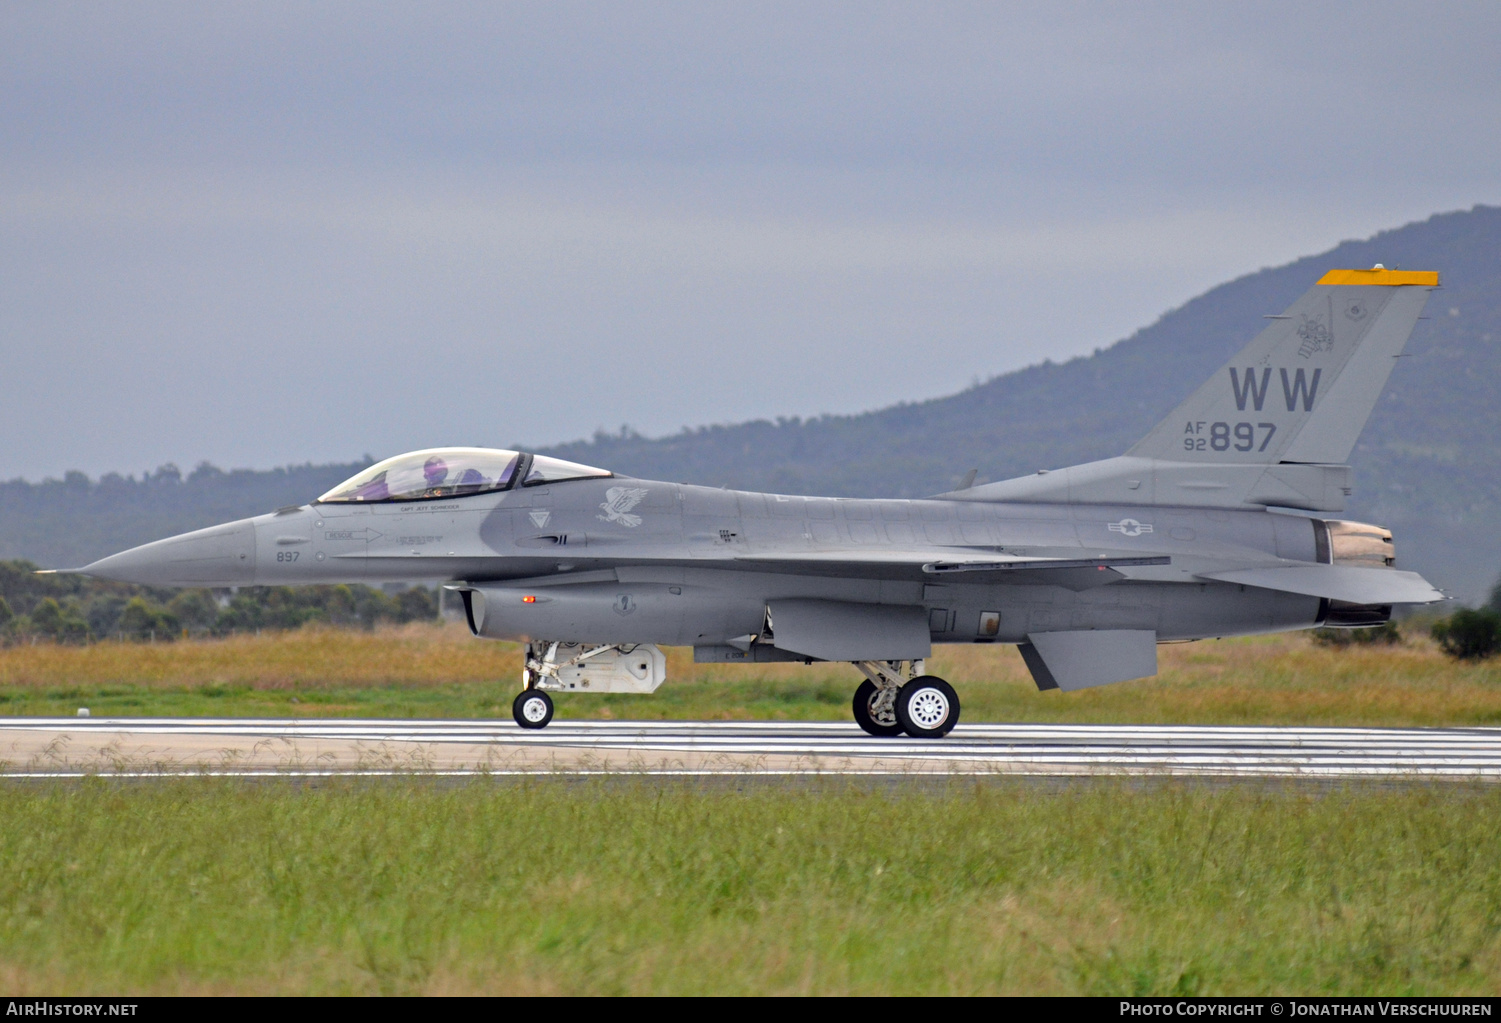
[[1428, 464]]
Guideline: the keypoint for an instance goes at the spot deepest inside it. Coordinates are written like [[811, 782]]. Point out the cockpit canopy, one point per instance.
[[453, 472]]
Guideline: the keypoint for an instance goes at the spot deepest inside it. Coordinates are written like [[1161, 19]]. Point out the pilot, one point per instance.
[[435, 471]]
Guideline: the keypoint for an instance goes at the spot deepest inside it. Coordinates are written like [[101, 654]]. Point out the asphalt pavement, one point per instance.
[[70, 747]]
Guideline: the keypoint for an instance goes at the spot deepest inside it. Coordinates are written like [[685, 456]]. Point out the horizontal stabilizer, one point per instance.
[[1349, 583], [833, 630], [1081, 660]]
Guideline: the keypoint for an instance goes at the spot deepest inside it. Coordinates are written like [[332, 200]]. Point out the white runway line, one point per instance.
[[837, 748]]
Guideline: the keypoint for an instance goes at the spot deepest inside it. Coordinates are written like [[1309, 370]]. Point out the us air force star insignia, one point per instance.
[[539, 518], [618, 503], [1129, 527]]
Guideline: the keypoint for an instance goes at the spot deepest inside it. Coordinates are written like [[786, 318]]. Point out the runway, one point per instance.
[[136, 747]]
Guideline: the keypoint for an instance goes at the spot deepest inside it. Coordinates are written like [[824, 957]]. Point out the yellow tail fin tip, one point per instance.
[[1382, 276]]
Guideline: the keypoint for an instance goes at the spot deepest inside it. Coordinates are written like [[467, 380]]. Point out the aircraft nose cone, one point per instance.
[[217, 556]]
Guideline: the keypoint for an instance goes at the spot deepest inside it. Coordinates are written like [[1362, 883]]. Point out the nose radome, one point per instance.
[[216, 556]]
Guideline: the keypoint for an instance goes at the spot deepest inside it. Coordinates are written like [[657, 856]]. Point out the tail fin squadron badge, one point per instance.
[[1315, 337], [617, 505]]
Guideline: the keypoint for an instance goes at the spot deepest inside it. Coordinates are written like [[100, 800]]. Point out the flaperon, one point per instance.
[[1215, 524]]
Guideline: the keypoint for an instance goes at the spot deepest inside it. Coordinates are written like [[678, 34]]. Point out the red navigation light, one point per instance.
[[528, 599]]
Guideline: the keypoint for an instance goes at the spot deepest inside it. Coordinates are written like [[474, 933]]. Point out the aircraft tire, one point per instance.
[[863, 718], [532, 708], [927, 707]]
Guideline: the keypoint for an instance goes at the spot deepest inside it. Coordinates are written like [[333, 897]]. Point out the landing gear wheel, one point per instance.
[[532, 709], [882, 724], [927, 707]]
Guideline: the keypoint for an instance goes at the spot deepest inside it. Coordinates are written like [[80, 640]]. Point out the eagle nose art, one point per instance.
[[220, 555]]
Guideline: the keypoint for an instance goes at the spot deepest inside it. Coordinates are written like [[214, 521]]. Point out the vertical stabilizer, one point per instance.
[[1275, 424], [1304, 388]]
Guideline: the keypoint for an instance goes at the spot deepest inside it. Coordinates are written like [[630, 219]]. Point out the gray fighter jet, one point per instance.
[[1207, 527]]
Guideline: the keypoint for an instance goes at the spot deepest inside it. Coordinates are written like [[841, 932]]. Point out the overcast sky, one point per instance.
[[270, 233]]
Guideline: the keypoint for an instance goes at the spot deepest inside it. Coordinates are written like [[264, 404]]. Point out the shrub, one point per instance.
[[142, 620], [194, 609], [417, 604], [1470, 635], [1387, 635], [101, 607], [104, 613], [62, 623]]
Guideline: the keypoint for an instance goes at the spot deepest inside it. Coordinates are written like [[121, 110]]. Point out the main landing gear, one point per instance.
[[896, 698]]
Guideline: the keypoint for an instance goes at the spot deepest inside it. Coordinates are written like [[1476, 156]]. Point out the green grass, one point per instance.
[[627, 886]]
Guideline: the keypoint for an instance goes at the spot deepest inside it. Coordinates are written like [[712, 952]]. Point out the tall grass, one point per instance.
[[312, 656], [625, 886], [420, 670]]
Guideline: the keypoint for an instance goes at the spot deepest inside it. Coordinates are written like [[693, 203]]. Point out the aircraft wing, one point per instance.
[[962, 565]]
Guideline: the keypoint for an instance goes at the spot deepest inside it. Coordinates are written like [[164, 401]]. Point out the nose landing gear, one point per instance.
[[532, 708], [896, 698]]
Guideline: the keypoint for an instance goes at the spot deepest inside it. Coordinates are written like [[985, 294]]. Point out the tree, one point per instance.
[[1470, 635]]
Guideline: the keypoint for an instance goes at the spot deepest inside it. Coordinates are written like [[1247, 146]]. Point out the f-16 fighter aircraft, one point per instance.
[[1212, 525]]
